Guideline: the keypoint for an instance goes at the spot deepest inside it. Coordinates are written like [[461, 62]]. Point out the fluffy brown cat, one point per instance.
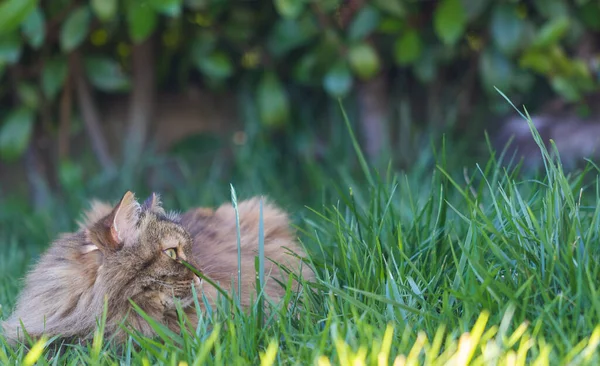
[[133, 251]]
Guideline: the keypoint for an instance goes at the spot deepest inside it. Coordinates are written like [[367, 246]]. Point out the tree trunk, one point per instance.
[[373, 109], [39, 191], [64, 129], [141, 102]]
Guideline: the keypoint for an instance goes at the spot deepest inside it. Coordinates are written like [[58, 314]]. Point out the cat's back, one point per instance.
[[216, 230], [215, 242]]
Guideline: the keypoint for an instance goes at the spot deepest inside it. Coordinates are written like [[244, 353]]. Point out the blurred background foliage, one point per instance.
[[122, 87]]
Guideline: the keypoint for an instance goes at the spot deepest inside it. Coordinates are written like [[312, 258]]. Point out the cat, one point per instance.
[[134, 251]]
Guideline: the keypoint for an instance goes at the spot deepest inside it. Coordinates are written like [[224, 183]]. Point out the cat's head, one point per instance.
[[125, 252], [139, 249]]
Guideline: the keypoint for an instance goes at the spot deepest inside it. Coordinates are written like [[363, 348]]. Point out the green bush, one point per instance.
[[326, 46]]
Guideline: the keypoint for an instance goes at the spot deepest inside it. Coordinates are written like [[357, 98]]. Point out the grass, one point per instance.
[[438, 265]]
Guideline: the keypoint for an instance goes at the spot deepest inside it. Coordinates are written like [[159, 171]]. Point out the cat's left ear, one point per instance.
[[122, 222], [120, 227], [125, 216]]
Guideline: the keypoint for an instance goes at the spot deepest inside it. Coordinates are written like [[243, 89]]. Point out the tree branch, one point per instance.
[[90, 114]]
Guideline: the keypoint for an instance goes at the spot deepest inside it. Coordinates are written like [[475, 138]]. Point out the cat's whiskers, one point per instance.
[[208, 268]]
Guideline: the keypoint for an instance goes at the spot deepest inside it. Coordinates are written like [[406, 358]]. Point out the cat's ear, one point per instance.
[[125, 216], [122, 222], [153, 204], [119, 228]]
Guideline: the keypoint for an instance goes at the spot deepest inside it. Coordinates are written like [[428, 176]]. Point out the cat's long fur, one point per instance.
[[119, 254]]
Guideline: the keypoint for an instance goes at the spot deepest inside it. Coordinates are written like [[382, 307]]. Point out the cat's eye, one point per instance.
[[171, 253]]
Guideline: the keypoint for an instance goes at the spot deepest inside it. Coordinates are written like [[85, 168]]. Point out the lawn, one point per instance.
[[445, 263]]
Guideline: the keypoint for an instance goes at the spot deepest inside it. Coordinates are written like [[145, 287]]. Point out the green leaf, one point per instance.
[[523, 81], [495, 70], [392, 7], [171, 8], [590, 15], [338, 80], [327, 6], [474, 8], [105, 9], [304, 70], [536, 60], [425, 68], [552, 32], [449, 21], [507, 29], [141, 19], [289, 8], [407, 48], [202, 45], [54, 74], [75, 28], [326, 49], [552, 8], [13, 13], [238, 33], [15, 133], [10, 48], [34, 28], [579, 69], [240, 27], [106, 74], [28, 95], [365, 21], [390, 25], [288, 34], [272, 100], [217, 65], [364, 61], [565, 87]]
